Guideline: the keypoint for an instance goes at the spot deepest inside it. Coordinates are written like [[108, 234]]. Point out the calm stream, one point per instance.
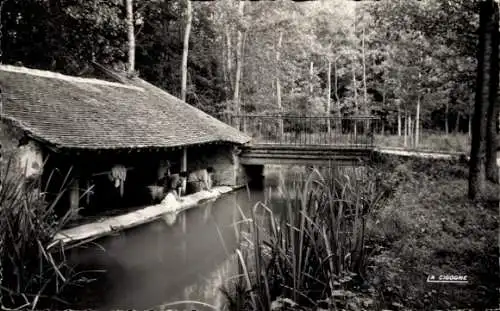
[[159, 263]]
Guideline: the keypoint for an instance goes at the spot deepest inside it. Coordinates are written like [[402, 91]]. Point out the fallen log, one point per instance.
[[110, 225]]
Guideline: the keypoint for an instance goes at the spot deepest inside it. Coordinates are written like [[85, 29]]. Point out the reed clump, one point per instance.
[[312, 254], [31, 276]]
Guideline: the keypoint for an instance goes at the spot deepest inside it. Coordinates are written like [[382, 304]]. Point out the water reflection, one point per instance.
[[187, 260], [156, 263]]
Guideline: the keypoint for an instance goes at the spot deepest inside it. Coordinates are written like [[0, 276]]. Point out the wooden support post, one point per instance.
[[184, 160], [74, 196]]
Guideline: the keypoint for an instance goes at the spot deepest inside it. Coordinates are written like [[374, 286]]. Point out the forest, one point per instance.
[[398, 60], [428, 69]]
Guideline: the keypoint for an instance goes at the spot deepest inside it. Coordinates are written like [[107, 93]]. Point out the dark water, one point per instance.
[[160, 263]]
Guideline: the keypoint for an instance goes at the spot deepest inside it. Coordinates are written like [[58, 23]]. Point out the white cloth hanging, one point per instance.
[[118, 175]]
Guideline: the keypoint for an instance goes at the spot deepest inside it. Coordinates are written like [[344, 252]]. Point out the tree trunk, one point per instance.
[[493, 109], [229, 56], [239, 45], [278, 84], [311, 79], [484, 88], [337, 100], [185, 49], [399, 120], [457, 123], [470, 125], [354, 83], [406, 129], [365, 90], [446, 116], [328, 95], [410, 130], [417, 115], [131, 36], [336, 90], [417, 123]]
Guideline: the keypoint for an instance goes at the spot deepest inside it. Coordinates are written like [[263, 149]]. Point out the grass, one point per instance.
[[430, 227], [432, 142], [32, 277], [346, 243]]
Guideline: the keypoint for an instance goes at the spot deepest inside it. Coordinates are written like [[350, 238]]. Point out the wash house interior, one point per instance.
[[108, 183]]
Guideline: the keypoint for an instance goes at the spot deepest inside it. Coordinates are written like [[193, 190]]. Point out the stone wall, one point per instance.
[[224, 160], [10, 137]]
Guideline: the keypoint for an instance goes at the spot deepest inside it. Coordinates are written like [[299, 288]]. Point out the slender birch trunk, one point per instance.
[[185, 50], [329, 95], [239, 62], [278, 84], [131, 36]]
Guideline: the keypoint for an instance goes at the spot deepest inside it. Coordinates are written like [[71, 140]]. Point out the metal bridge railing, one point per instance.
[[306, 130]]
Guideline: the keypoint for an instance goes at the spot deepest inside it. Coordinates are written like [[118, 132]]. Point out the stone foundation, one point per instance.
[[223, 158]]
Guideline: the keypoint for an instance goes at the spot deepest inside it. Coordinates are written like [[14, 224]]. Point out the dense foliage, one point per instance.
[[334, 56]]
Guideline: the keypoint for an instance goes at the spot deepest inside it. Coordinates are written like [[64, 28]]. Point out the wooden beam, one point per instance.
[[184, 160], [74, 195]]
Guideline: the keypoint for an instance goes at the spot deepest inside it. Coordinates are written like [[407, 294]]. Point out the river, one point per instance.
[[158, 263]]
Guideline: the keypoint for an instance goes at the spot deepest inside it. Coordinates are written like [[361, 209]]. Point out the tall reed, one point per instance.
[[312, 251], [31, 275]]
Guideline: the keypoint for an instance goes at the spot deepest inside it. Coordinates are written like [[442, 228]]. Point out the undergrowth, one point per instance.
[[32, 275], [346, 243]]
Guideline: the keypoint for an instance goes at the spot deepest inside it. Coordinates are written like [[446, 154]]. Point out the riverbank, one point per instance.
[[425, 226]]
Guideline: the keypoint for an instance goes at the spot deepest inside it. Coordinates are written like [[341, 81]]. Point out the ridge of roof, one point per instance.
[[60, 76]]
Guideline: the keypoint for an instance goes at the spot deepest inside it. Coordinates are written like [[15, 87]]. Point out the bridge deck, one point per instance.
[[262, 154]]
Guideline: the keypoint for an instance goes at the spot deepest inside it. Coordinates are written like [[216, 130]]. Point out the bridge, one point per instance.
[[305, 139]]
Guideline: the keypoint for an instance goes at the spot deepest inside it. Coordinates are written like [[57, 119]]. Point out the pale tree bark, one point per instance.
[[354, 82], [328, 95], [406, 129], [417, 115], [131, 36], [365, 90], [311, 78], [185, 50], [239, 62], [399, 120], [336, 90], [410, 130], [485, 86], [278, 84], [337, 99], [493, 109], [229, 56], [417, 122]]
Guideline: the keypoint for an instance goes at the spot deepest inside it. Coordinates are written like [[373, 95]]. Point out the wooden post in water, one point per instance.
[[74, 196], [184, 160]]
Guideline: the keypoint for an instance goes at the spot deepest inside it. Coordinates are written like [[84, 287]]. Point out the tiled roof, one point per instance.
[[72, 112]]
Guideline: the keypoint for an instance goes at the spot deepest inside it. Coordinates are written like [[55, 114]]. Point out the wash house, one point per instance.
[[111, 141]]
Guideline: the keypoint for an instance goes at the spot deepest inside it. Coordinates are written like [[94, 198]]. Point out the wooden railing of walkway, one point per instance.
[[306, 130]]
